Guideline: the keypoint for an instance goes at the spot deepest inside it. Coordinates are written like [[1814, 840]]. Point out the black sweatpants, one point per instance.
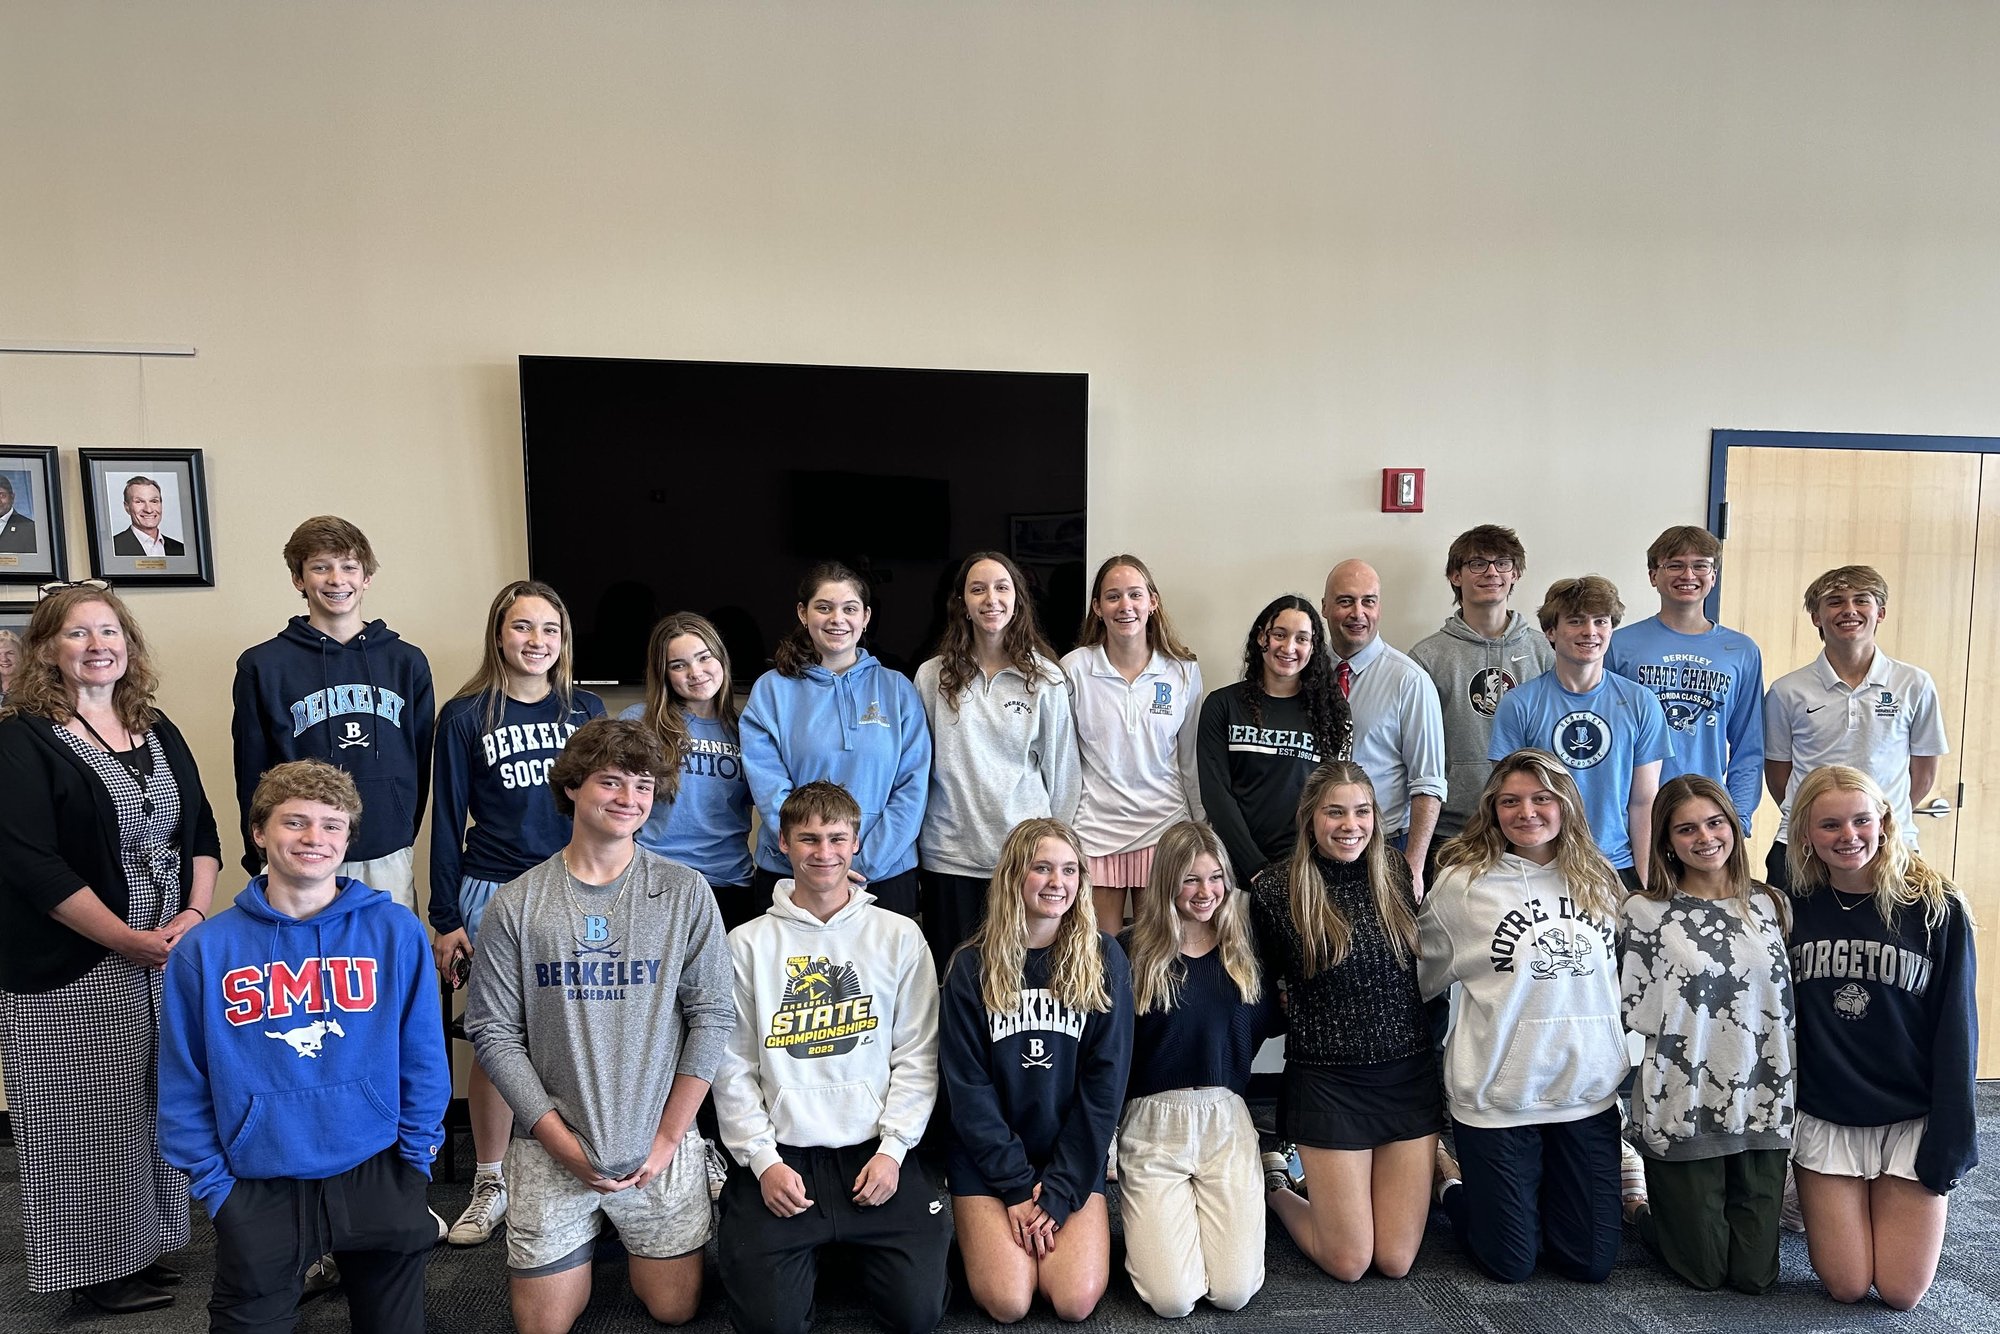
[[770, 1265], [1547, 1190], [374, 1219], [954, 907]]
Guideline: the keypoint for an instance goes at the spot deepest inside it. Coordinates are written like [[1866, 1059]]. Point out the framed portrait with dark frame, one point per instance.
[[32, 550], [146, 513]]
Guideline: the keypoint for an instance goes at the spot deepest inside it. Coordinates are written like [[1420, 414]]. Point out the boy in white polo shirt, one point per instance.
[[1853, 705]]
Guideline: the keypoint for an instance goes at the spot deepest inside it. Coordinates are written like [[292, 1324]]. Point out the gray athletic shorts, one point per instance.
[[553, 1219]]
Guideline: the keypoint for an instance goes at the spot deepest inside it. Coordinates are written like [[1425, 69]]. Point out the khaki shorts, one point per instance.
[[395, 875], [553, 1219]]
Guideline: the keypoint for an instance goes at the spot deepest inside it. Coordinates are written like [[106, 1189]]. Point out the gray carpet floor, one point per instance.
[[467, 1290]]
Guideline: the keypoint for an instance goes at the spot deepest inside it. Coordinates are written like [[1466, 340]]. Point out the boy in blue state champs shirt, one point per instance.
[[303, 1078], [1609, 733], [1708, 678]]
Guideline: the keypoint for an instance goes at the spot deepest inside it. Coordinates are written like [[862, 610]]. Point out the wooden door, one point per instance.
[[1916, 516]]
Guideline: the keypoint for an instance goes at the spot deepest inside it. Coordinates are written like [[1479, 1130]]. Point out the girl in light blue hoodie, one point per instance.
[[830, 710]]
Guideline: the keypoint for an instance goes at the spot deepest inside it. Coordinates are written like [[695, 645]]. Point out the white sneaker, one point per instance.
[[1631, 1179], [488, 1207]]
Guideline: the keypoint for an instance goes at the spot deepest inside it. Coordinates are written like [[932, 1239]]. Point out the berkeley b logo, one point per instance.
[[1163, 697], [596, 930], [1037, 1056], [596, 938]]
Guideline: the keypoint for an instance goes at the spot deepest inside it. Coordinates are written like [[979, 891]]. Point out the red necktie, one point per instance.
[[1345, 676]]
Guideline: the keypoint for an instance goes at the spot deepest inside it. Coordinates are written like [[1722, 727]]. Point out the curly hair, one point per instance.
[[1027, 651], [38, 688], [306, 780], [1326, 707], [626, 745]]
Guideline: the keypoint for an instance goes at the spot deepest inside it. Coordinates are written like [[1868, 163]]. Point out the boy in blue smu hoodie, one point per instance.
[[303, 1083]]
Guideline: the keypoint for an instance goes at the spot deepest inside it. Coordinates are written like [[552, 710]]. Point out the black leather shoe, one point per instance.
[[125, 1296], [162, 1273]]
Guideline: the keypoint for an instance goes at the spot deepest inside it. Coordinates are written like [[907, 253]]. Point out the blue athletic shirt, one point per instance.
[[1601, 736], [1711, 686], [707, 824]]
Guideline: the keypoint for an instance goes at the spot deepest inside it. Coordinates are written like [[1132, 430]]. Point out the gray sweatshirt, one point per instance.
[[1004, 755], [589, 1000], [1472, 674]]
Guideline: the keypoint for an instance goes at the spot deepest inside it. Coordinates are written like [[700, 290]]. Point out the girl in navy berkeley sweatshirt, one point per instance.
[[830, 710], [1882, 970], [1190, 1191], [303, 1078], [701, 806], [1035, 1041], [495, 742]]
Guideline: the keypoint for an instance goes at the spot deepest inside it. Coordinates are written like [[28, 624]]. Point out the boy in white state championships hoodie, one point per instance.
[[828, 1081]]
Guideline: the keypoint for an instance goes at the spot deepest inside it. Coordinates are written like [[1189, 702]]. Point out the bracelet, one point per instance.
[[189, 907]]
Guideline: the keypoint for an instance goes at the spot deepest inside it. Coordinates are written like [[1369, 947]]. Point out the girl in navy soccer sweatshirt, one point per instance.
[[1189, 1189], [1035, 1041], [829, 709], [1882, 968], [701, 806], [495, 742]]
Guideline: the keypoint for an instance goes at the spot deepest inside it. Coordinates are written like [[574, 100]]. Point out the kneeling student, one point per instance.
[[599, 1007], [303, 1078], [828, 1081]]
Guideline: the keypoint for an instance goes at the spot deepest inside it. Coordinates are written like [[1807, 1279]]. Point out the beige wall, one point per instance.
[[1538, 249]]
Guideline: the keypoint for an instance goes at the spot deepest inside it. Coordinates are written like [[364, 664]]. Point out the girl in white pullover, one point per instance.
[[1523, 916]]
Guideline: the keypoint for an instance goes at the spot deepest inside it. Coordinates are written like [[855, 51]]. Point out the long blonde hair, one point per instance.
[[489, 682], [1665, 877], [665, 712], [1076, 970], [1592, 884], [1160, 636], [1157, 970], [1902, 878], [1325, 934]]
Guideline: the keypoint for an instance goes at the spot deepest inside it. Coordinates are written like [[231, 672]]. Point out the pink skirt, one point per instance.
[[1121, 870]]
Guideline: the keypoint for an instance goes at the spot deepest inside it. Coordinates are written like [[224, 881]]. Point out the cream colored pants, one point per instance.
[[1191, 1194]]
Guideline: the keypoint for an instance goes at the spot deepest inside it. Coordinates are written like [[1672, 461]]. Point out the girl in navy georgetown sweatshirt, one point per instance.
[[302, 1077], [1035, 1041], [496, 739], [1882, 968], [1190, 1191]]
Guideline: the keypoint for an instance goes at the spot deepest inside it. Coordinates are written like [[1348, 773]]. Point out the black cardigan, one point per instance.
[[59, 834]]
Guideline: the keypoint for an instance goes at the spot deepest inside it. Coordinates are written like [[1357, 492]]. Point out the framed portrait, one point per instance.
[[32, 550], [146, 511]]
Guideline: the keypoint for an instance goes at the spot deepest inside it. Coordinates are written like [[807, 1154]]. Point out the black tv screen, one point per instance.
[[711, 486]]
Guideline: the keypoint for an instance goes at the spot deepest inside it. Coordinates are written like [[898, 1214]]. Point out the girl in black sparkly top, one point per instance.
[[1337, 928]]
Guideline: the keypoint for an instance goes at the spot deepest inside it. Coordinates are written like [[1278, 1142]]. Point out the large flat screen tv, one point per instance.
[[711, 486]]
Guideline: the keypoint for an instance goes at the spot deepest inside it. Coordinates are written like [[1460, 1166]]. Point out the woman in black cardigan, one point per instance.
[[108, 856]]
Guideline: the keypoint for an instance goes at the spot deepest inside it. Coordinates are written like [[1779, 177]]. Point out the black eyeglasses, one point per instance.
[[1480, 564], [101, 585]]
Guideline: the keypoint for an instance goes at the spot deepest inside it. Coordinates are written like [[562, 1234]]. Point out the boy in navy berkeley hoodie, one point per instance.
[[303, 1077], [333, 687]]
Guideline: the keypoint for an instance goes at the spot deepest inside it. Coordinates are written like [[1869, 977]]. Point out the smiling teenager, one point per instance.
[[829, 709], [1137, 693], [1337, 928], [1853, 705], [1188, 1178], [353, 1055], [600, 1007], [1003, 743], [1882, 959], [335, 687], [1035, 1044], [1707, 984], [1523, 916], [496, 741], [1261, 736]]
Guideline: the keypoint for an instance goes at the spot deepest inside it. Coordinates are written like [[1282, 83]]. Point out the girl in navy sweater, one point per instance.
[[1338, 924], [1190, 1191], [1882, 967], [1035, 1038], [701, 805], [496, 739]]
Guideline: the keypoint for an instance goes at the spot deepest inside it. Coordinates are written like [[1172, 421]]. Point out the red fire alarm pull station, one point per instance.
[[1402, 490]]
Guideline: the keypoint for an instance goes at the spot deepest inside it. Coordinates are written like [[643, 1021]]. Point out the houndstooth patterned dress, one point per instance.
[[82, 1071]]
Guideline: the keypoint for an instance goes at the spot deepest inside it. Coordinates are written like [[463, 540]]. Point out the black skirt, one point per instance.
[[1361, 1106]]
